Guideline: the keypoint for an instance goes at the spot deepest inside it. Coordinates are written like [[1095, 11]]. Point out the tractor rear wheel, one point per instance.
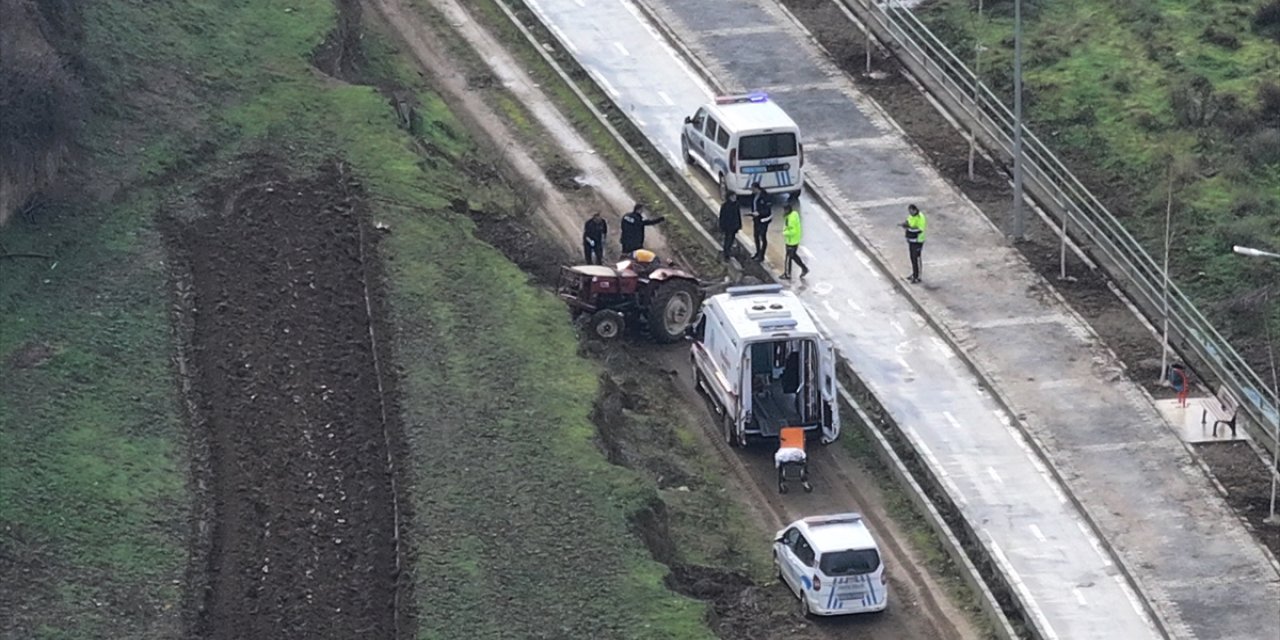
[[671, 310], [607, 325]]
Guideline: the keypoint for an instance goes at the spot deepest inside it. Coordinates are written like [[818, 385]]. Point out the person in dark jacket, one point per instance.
[[761, 215], [593, 235], [633, 225], [730, 222]]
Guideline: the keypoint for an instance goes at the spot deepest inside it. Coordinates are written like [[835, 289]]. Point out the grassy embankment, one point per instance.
[[521, 513], [1127, 89]]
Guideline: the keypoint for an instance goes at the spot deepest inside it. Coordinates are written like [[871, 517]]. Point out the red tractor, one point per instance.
[[635, 292]]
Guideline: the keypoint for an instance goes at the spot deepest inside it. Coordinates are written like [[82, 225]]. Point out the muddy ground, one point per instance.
[[295, 411], [1236, 467]]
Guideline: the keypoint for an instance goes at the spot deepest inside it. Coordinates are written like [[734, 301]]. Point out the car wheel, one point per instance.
[[684, 149], [804, 606], [730, 437]]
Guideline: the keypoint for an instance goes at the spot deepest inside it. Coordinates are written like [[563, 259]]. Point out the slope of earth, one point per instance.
[[1236, 467], [96, 513], [1144, 97]]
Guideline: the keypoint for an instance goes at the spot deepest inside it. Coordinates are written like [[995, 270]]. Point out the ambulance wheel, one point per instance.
[[607, 325], [804, 606], [730, 438], [684, 150]]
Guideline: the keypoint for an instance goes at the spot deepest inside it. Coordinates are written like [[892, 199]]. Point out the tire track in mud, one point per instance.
[[304, 540]]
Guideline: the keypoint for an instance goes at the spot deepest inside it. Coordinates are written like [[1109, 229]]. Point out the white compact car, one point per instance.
[[745, 140], [832, 564]]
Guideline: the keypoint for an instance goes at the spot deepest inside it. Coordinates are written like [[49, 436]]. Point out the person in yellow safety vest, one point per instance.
[[915, 226], [791, 233]]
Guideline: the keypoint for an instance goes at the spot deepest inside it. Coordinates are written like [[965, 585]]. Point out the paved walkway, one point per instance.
[[1193, 560]]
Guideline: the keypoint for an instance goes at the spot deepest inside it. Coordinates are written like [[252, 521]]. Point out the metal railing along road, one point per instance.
[[1086, 220]]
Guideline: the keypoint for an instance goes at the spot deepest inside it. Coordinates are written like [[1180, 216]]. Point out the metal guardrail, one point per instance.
[[1089, 223]]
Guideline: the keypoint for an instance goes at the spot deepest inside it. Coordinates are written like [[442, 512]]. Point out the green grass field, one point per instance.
[[1125, 88], [521, 526]]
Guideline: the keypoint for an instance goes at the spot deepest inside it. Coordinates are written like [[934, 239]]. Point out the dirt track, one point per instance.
[[303, 541]]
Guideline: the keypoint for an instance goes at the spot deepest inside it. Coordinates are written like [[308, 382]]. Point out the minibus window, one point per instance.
[[767, 145], [712, 128], [723, 139], [851, 562]]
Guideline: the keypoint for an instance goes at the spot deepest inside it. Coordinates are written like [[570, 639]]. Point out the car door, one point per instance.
[[799, 561], [693, 134], [787, 560]]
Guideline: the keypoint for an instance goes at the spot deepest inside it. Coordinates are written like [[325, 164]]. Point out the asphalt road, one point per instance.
[[1058, 567]]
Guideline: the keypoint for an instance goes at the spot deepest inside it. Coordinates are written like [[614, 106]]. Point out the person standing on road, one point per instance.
[[761, 215], [633, 225], [730, 222], [791, 232], [915, 226], [593, 235]]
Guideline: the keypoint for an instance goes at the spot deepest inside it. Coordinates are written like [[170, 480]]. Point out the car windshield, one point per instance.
[[848, 563], [767, 145]]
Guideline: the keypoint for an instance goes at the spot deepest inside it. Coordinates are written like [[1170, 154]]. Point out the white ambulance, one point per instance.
[[743, 140], [759, 358]]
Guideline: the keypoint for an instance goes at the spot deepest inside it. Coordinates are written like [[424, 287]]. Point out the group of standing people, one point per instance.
[[632, 237], [761, 213]]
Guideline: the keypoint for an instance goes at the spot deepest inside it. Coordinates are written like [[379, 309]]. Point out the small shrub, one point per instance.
[[1233, 117], [1122, 85], [1193, 101], [1223, 39], [1269, 102], [1262, 149], [1266, 21]]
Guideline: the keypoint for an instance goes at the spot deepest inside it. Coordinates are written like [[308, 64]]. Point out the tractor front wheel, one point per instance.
[[607, 325], [672, 309]]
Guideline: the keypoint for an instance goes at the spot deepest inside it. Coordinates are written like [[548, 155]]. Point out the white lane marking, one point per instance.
[[665, 98], [604, 82], [580, 3], [1021, 587], [1133, 598], [1035, 531], [952, 419], [854, 305], [564, 39], [864, 258], [897, 327], [1093, 542], [804, 251], [942, 346], [831, 311], [942, 471], [903, 362], [621, 49], [991, 471], [1079, 596]]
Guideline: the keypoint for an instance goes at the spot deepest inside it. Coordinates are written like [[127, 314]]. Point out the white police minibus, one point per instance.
[[743, 140]]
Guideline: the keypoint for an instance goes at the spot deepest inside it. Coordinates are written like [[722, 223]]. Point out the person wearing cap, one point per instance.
[[730, 222], [791, 232], [761, 215], [915, 226], [633, 225]]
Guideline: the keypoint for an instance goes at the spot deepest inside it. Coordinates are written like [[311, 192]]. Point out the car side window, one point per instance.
[[804, 552], [713, 128], [722, 139], [698, 119], [789, 538]]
